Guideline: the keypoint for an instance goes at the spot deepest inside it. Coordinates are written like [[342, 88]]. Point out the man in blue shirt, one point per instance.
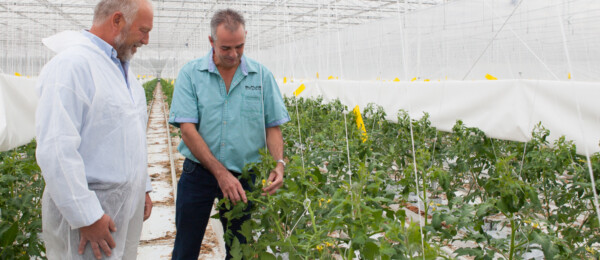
[[227, 107]]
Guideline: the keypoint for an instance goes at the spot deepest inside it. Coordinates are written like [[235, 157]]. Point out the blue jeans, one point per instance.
[[196, 193]]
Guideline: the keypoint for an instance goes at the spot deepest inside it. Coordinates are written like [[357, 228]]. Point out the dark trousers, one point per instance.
[[196, 193]]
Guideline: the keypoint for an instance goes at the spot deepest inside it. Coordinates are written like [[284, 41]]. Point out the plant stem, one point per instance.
[[312, 219], [513, 230]]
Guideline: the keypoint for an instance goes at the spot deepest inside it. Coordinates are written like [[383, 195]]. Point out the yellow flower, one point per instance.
[[536, 225], [527, 221], [589, 249], [264, 182], [329, 200], [328, 244], [320, 248], [457, 138]]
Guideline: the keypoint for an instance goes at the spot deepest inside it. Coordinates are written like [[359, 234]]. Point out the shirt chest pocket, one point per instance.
[[252, 104]]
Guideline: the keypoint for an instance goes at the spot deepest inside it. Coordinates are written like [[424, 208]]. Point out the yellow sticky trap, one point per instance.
[[317, 75], [490, 77], [413, 79], [330, 78], [299, 90], [569, 75], [17, 74], [396, 79], [426, 80], [360, 124], [284, 80]]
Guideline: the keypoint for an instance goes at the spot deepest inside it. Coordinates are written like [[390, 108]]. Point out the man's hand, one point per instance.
[[231, 187], [276, 180], [147, 206], [98, 234]]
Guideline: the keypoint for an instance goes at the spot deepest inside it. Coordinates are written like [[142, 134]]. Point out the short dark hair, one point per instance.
[[232, 20]]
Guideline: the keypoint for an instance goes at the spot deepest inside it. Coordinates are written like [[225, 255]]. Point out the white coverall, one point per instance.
[[91, 148]]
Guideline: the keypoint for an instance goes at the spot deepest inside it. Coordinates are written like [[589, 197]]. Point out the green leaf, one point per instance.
[[236, 249], [436, 221], [370, 250], [9, 236], [548, 248], [266, 256]]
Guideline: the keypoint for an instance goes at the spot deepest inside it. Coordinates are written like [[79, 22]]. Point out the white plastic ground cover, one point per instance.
[[503, 109], [18, 101]]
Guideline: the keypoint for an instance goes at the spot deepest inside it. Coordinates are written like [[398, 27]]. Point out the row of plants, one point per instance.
[[21, 187], [149, 89], [345, 197], [167, 88]]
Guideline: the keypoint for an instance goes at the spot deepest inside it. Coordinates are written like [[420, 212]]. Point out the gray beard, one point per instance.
[[124, 52]]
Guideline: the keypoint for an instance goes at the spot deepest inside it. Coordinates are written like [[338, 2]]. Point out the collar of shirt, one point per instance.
[[212, 68], [110, 52]]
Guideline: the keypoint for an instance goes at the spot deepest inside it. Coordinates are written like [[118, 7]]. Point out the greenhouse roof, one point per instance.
[[184, 23]]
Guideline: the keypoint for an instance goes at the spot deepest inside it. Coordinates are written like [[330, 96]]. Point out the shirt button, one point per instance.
[[222, 144], [224, 122]]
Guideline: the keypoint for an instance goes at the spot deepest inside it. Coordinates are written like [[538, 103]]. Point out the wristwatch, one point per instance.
[[282, 162]]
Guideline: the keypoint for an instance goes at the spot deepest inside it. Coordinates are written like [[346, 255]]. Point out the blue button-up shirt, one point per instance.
[[232, 124], [112, 54]]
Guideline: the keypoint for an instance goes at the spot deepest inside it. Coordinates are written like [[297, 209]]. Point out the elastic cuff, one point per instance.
[[148, 185], [83, 212]]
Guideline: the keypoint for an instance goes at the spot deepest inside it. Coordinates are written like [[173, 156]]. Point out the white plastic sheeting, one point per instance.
[[504, 109], [18, 101]]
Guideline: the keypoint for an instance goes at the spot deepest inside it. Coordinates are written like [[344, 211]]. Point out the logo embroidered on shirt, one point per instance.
[[253, 87]]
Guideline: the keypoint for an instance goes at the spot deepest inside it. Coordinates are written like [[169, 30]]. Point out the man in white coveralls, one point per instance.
[[91, 137]]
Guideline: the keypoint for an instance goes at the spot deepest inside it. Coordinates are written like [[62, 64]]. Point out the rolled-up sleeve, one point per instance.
[[59, 118], [275, 112], [184, 106]]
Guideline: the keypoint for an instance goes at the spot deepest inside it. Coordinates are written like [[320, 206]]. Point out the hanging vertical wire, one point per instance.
[[300, 143], [348, 153], [579, 116], [412, 139], [262, 101], [339, 43]]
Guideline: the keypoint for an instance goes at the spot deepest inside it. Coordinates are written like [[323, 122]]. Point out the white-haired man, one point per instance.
[[91, 136]]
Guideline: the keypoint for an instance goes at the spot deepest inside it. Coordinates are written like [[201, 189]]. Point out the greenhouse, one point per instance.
[[414, 129]]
